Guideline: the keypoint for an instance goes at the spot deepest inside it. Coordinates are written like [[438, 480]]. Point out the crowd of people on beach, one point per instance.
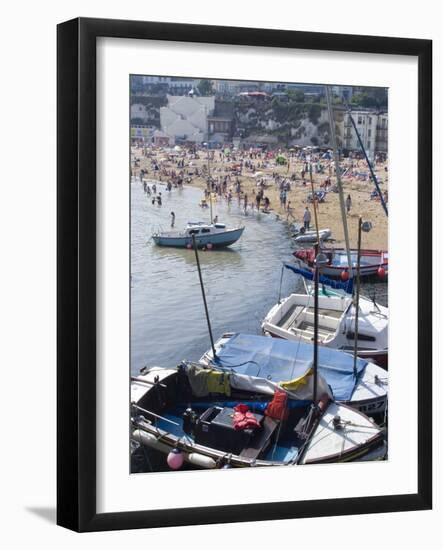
[[227, 173]]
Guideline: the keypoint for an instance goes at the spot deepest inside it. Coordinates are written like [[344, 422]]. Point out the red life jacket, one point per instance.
[[277, 407], [244, 418]]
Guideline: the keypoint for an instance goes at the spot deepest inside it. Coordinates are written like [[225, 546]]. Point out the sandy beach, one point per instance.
[[165, 165]]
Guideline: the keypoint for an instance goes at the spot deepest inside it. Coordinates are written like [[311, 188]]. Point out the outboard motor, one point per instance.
[[189, 420]]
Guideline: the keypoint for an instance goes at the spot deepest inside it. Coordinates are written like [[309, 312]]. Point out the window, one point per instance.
[[360, 120], [350, 335], [370, 120], [369, 133], [206, 230], [369, 144], [194, 231]]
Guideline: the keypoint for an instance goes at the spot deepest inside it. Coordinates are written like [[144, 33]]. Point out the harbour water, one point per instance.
[[241, 282]]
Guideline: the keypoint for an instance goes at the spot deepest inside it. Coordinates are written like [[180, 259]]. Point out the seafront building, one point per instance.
[[185, 118], [373, 129]]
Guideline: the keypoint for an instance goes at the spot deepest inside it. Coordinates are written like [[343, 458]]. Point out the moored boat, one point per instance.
[[372, 262], [208, 418], [293, 319], [276, 361], [210, 235], [302, 236]]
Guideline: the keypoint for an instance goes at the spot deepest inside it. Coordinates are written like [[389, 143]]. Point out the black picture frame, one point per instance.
[[76, 280]]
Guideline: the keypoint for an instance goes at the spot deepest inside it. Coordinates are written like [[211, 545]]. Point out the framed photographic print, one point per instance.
[[244, 274]]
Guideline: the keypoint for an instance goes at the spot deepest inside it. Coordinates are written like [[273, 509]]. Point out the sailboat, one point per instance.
[[214, 419], [277, 362]]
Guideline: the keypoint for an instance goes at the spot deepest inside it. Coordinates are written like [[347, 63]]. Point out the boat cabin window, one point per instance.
[[364, 337], [194, 231], [206, 230]]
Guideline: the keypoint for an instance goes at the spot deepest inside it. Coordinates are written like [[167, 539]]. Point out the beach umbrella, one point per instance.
[[280, 159]]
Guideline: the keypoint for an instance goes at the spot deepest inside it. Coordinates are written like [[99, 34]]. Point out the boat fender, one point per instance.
[[201, 460], [175, 459], [151, 441]]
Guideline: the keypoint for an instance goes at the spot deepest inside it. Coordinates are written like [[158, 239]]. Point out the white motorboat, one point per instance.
[[293, 319]]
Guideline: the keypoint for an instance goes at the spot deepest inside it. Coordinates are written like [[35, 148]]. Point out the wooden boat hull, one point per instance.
[[329, 444], [370, 261]]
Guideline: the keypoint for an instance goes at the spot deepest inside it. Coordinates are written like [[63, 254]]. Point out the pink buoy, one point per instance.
[[175, 459], [381, 272], [344, 275], [209, 246]]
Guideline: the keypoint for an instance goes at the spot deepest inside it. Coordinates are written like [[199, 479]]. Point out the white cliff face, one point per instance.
[[305, 129]]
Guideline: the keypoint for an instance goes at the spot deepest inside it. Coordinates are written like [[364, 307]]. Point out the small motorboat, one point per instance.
[[278, 361], [212, 418], [293, 319], [210, 235], [372, 262]]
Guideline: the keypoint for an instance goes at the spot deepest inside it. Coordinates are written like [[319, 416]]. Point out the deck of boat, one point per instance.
[[295, 310]]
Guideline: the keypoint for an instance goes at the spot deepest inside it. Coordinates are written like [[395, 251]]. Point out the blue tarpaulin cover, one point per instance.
[[283, 360], [346, 286]]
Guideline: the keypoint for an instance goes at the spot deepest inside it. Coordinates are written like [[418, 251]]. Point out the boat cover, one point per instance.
[[274, 360], [346, 286]]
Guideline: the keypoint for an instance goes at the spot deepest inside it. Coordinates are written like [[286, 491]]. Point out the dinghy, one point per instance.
[[280, 362], [210, 235], [214, 419], [302, 236]]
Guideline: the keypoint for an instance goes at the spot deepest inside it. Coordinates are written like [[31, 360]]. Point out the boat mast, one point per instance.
[[316, 280], [209, 183], [194, 244], [338, 176], [314, 202], [357, 297]]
